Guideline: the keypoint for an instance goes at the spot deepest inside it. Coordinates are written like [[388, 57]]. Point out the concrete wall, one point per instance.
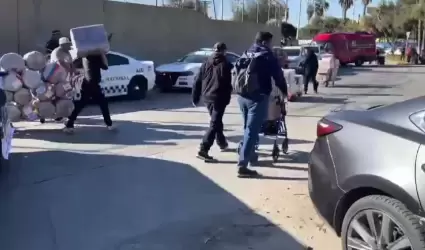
[[147, 32]]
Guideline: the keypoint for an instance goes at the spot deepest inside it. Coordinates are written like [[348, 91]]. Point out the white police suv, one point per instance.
[[181, 74], [125, 76]]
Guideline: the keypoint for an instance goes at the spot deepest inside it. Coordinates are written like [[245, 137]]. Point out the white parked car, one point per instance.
[[126, 76], [182, 73], [295, 55]]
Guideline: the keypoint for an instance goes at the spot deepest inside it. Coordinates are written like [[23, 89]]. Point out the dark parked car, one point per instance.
[[367, 175]]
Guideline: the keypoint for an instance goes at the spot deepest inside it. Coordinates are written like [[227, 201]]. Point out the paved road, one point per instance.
[[142, 188]]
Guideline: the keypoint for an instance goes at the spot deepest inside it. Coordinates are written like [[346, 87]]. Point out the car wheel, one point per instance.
[[381, 222], [137, 88], [359, 62]]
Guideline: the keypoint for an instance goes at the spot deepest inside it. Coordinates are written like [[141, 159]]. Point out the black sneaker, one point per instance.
[[315, 91], [224, 147], [245, 172], [305, 92], [205, 156]]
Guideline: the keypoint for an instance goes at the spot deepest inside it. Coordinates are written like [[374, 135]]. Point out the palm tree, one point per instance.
[[310, 11], [345, 5], [365, 4], [321, 6]]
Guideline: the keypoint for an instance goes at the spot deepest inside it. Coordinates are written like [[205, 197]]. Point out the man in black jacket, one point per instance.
[[91, 89], [213, 82], [311, 66], [53, 42]]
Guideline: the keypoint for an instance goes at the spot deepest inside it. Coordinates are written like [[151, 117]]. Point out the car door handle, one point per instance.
[[423, 167]]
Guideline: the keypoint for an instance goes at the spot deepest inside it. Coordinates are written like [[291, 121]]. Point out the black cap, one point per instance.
[[219, 47], [56, 32]]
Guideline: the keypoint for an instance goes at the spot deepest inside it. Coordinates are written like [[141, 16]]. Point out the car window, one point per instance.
[[231, 57], [194, 58], [292, 52], [116, 60]]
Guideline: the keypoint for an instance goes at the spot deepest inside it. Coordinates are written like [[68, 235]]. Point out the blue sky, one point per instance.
[[294, 9]]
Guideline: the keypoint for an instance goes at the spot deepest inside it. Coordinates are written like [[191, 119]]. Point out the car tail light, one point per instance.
[[325, 127]]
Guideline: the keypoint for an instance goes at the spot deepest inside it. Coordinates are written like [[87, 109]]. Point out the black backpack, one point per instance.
[[244, 75]]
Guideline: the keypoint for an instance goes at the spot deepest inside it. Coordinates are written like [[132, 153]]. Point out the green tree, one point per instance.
[[261, 11], [196, 5], [365, 4], [320, 7], [345, 5], [390, 20], [310, 11]]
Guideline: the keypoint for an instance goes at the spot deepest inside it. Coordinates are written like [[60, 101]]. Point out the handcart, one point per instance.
[[275, 126]]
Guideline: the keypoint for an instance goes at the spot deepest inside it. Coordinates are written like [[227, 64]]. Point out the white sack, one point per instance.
[[289, 75], [45, 92], [31, 79], [45, 109], [35, 60], [62, 88], [29, 112], [89, 39], [64, 108], [13, 111], [11, 82], [9, 96], [12, 62], [22, 96], [54, 73]]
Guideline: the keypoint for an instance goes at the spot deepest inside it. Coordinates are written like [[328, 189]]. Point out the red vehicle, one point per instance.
[[354, 48]]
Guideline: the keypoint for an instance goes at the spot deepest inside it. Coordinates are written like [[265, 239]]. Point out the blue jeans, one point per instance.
[[254, 114]]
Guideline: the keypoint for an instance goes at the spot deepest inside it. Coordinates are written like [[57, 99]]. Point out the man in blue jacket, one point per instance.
[[254, 104]]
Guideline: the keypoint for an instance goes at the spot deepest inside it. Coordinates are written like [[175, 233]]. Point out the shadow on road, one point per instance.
[[362, 86], [154, 101], [321, 99], [92, 131], [68, 201]]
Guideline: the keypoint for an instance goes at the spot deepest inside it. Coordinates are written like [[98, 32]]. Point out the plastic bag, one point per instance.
[[29, 112], [45, 92], [35, 60], [22, 96], [91, 39], [45, 109], [12, 62], [62, 88], [12, 82], [64, 108], [13, 111], [31, 79], [54, 73]]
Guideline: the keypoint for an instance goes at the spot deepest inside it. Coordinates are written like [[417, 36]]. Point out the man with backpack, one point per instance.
[[252, 81], [213, 82]]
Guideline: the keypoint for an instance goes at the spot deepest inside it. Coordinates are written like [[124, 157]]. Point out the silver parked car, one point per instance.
[[367, 175]]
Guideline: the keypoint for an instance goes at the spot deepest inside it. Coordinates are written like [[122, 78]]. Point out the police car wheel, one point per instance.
[[137, 88]]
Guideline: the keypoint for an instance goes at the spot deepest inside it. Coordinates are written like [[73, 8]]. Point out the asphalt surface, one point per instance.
[[143, 188]]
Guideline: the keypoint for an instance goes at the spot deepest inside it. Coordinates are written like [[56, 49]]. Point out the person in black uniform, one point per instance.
[[310, 66], [53, 43], [91, 89], [214, 83]]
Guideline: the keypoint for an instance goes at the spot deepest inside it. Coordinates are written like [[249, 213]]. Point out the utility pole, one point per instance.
[[258, 11], [299, 20], [222, 9], [243, 9]]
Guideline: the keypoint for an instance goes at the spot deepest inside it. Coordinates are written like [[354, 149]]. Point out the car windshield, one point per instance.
[[292, 52], [194, 58], [314, 48]]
